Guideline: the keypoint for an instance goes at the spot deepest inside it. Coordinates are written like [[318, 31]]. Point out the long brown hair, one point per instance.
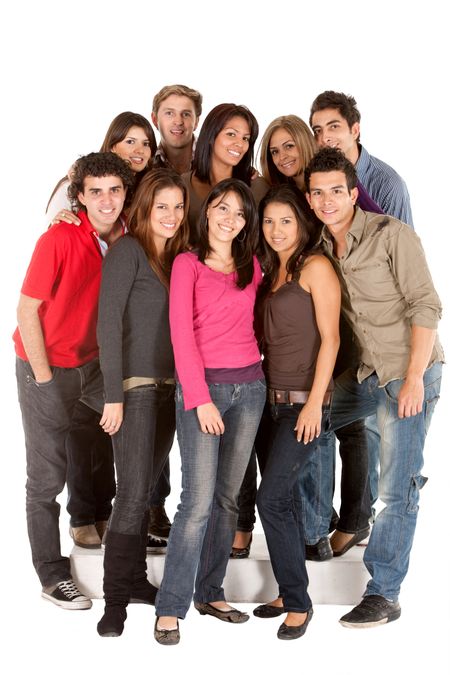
[[139, 220]]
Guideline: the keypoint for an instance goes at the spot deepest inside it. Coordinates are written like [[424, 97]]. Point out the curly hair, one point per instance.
[[98, 165]]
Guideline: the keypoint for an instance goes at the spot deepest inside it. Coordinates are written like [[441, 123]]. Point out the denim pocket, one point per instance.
[[417, 483], [47, 383]]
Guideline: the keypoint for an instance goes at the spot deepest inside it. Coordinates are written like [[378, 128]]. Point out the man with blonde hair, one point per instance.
[[175, 113]]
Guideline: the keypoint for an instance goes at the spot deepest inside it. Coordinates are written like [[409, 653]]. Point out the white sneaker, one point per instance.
[[66, 595]]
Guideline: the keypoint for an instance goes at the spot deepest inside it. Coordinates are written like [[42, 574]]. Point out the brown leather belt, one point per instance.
[[282, 396]]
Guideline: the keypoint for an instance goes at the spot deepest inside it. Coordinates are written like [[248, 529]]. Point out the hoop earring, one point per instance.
[[243, 238]]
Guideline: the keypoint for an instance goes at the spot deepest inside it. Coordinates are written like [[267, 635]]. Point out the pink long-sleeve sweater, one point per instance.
[[211, 324]]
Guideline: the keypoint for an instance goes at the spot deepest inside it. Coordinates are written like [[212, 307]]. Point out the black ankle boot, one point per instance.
[[142, 591], [121, 551], [112, 622]]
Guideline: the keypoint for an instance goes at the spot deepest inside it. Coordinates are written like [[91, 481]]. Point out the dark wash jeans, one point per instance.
[[280, 507], [212, 471], [47, 412], [91, 483], [141, 447]]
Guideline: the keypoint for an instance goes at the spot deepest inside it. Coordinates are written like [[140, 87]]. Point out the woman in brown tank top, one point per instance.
[[299, 314]]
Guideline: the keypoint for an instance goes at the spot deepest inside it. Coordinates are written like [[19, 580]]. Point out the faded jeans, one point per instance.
[[401, 461], [47, 411], [212, 471]]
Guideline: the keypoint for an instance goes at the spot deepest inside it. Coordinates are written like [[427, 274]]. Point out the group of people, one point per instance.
[[178, 290]]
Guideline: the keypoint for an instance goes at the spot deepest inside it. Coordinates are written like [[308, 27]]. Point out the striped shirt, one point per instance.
[[385, 186]]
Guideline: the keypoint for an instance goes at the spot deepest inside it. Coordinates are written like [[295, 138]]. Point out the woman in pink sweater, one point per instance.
[[219, 400]]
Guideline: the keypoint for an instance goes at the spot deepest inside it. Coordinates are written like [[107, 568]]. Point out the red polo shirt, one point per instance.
[[65, 272]]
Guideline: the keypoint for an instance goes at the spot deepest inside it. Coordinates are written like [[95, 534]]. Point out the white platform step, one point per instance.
[[340, 581]]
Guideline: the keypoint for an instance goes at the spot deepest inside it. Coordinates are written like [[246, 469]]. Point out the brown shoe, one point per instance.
[[85, 536], [101, 526]]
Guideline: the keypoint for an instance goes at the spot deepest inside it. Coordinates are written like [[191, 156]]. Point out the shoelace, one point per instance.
[[374, 604], [69, 589]]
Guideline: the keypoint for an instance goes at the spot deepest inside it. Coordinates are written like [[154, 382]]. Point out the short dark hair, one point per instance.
[[242, 249], [331, 159], [214, 122], [97, 164], [345, 104]]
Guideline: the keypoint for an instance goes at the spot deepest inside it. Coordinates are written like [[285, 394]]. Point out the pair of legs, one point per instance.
[[47, 413], [401, 460], [91, 483], [316, 482], [141, 447], [212, 471], [280, 510]]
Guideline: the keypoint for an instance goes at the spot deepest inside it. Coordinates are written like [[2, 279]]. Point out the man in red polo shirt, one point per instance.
[[57, 353]]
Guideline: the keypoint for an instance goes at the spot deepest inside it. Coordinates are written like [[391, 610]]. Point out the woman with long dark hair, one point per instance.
[[224, 149], [219, 399], [136, 360], [299, 313]]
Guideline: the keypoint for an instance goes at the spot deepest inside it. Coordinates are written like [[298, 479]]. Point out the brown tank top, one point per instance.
[[291, 338]]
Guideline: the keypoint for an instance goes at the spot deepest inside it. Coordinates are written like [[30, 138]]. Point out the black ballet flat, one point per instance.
[[230, 615]]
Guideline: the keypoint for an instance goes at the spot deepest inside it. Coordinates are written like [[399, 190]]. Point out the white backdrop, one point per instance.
[[68, 69]]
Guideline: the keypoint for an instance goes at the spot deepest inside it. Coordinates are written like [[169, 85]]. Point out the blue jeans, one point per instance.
[[280, 508], [401, 460], [212, 471], [141, 447], [47, 412]]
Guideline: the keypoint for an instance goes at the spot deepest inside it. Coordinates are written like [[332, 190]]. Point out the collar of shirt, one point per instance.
[[101, 243], [162, 157], [355, 232]]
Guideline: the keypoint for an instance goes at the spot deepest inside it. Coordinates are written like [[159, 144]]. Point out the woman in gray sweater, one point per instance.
[[137, 363]]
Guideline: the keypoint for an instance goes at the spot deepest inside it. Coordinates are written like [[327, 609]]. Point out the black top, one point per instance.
[[133, 322]]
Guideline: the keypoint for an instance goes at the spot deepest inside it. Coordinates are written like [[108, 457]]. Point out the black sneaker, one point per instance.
[[373, 610], [156, 545], [66, 595], [320, 551], [159, 524]]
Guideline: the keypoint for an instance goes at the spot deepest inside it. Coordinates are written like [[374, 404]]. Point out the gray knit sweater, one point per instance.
[[133, 322]]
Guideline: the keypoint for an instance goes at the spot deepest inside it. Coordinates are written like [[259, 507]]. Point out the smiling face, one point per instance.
[[332, 130], [176, 121], [285, 154], [332, 201], [281, 229], [166, 215], [135, 149], [232, 142], [103, 199], [226, 218]]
